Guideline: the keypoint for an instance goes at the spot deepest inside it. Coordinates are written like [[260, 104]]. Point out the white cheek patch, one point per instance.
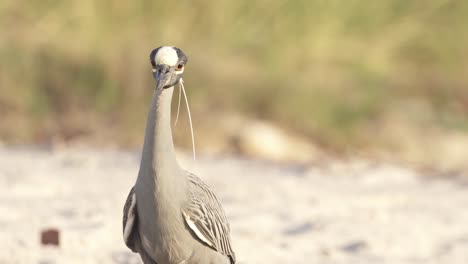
[[166, 55]]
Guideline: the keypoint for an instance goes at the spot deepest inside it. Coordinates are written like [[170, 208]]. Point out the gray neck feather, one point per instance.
[[159, 169]]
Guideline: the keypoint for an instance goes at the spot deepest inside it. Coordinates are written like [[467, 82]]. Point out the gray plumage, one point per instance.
[[171, 216]]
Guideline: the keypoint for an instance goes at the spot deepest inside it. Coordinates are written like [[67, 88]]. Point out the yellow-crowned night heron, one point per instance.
[[171, 216]]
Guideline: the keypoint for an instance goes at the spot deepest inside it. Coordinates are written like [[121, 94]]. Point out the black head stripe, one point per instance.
[[153, 55], [181, 55]]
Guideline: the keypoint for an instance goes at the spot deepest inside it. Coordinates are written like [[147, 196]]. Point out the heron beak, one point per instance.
[[162, 75]]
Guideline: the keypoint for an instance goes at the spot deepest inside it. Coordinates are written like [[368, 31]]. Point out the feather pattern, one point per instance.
[[130, 216], [206, 218]]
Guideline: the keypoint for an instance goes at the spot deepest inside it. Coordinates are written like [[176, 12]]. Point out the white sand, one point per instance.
[[346, 213]]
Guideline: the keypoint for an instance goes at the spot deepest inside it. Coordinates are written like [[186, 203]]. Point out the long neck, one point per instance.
[[161, 183], [158, 158]]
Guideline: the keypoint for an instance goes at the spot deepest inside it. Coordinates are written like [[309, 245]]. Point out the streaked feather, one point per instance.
[[130, 218], [206, 218]]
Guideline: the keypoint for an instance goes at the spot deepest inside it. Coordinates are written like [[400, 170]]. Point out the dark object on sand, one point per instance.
[[50, 237]]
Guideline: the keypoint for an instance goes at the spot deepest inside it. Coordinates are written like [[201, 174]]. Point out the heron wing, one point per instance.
[[130, 221], [205, 216]]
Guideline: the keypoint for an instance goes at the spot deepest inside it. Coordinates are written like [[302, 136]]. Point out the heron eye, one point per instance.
[[179, 67]]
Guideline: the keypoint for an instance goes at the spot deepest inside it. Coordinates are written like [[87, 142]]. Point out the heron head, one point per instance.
[[168, 66]]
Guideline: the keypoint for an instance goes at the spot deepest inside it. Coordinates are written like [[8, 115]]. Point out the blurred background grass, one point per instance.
[[347, 75]]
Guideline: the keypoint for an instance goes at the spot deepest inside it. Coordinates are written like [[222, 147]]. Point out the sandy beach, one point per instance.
[[339, 212]]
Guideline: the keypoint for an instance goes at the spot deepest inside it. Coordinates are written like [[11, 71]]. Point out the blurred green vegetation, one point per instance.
[[332, 70]]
